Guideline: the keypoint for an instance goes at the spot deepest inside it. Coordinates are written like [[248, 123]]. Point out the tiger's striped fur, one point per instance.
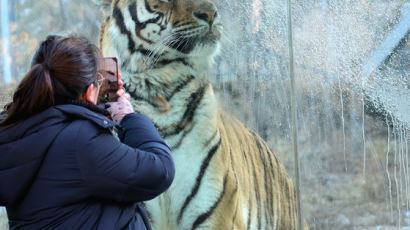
[[226, 176]]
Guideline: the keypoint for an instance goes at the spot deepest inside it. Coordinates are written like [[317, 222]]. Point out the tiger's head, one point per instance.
[[151, 32]]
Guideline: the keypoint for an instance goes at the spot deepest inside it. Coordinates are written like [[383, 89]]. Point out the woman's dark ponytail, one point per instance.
[[62, 69]]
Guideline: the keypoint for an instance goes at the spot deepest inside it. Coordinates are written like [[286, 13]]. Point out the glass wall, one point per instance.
[[352, 67], [353, 90]]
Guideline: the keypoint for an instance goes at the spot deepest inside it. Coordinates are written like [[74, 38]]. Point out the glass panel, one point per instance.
[[251, 74], [352, 68], [353, 89]]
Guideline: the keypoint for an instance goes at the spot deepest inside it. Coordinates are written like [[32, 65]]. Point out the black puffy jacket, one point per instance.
[[64, 169]]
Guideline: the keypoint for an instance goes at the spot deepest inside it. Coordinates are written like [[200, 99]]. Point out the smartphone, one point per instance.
[[108, 68]]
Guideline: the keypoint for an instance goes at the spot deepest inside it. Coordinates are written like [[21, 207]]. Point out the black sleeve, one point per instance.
[[138, 169], [137, 131]]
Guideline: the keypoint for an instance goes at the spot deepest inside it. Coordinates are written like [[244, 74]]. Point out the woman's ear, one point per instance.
[[91, 95]]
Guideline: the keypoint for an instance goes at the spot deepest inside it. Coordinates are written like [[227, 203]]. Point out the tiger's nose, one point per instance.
[[206, 13]]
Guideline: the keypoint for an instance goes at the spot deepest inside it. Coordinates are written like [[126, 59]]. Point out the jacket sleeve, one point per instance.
[[136, 170]]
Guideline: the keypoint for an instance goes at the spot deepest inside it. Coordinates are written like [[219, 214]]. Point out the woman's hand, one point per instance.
[[120, 108], [121, 89]]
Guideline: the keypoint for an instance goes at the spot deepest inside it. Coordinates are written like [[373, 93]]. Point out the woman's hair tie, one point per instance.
[[47, 65]]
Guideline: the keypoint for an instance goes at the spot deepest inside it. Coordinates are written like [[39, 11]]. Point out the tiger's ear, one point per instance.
[[105, 5]]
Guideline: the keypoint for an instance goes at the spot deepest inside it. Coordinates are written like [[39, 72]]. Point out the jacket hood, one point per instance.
[[23, 147]]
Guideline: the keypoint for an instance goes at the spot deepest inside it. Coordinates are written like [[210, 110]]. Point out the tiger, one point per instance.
[[226, 175]]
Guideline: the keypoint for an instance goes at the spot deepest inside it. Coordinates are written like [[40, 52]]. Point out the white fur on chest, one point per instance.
[[188, 157], [165, 208]]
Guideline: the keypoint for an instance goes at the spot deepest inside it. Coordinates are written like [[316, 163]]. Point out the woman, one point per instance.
[[61, 167]]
